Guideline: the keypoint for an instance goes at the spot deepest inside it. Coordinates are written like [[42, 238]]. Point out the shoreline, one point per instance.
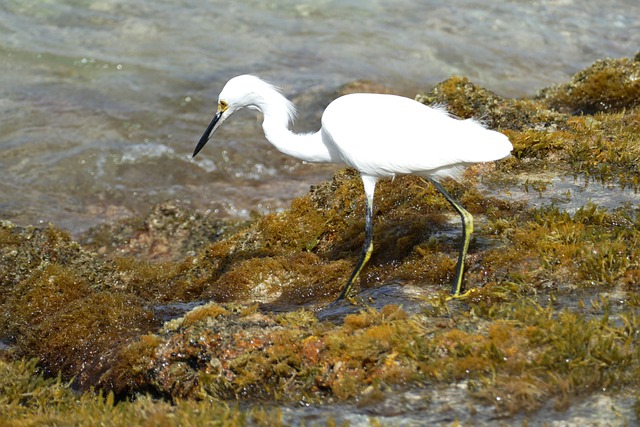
[[210, 313]]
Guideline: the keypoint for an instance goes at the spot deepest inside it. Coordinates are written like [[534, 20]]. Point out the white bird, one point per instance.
[[379, 135]]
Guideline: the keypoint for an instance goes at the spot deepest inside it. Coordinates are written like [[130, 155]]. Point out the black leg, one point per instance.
[[467, 229], [369, 183], [366, 251]]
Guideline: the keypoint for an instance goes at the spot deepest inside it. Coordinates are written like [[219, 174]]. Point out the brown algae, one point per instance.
[[553, 314]]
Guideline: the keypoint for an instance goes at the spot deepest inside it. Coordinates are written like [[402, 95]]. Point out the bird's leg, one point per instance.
[[367, 249], [467, 229]]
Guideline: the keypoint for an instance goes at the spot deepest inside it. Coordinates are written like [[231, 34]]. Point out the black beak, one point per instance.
[[207, 133]]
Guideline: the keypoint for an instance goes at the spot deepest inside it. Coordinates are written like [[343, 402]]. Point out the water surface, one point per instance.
[[102, 101]]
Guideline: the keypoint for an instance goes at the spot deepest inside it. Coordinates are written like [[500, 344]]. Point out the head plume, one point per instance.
[[250, 91]]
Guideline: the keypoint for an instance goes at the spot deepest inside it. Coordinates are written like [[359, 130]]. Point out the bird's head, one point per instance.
[[241, 91]]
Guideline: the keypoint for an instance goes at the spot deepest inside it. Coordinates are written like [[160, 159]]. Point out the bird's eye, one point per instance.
[[222, 106]]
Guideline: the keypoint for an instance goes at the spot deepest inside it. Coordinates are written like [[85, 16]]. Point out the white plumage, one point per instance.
[[385, 135]]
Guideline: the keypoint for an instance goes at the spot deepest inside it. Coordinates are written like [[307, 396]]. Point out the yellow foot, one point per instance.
[[463, 295]]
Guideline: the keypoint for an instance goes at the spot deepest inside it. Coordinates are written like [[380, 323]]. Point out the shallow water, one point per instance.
[[416, 408], [566, 192], [102, 101]]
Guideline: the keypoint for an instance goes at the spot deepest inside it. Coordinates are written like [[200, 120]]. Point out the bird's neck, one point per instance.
[[308, 147]]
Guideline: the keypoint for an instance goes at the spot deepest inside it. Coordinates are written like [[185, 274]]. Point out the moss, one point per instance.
[[153, 281], [464, 99], [606, 148], [40, 296], [24, 389], [204, 312], [80, 339], [609, 85], [536, 144], [130, 367], [568, 354], [521, 352], [588, 249], [27, 398], [596, 145], [28, 250], [7, 237]]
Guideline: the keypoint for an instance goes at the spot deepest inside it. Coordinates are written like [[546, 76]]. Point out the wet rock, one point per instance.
[[53, 307], [610, 85], [169, 232]]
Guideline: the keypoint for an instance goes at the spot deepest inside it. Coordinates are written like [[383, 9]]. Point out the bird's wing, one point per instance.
[[384, 135]]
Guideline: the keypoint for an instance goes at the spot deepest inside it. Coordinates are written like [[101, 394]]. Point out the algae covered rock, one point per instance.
[[54, 308], [610, 85], [184, 306], [464, 99], [233, 352], [169, 232]]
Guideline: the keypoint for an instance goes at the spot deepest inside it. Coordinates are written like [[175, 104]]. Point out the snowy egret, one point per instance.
[[380, 136]]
